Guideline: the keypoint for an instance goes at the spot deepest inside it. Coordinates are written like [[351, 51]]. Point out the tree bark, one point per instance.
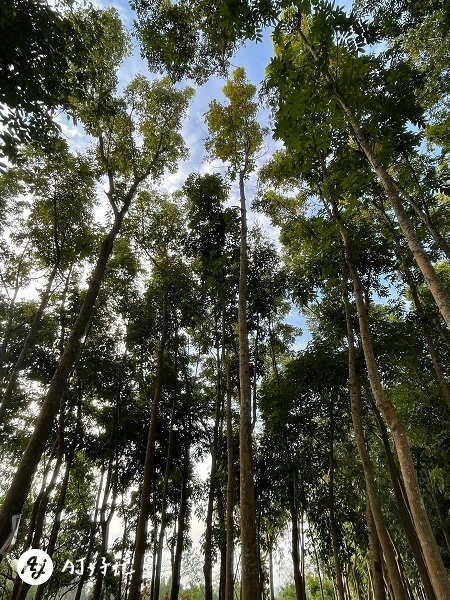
[[271, 586], [20, 486], [423, 213], [354, 387], [162, 529], [402, 503], [250, 583], [433, 559], [316, 558], [333, 529], [144, 508], [229, 570], [91, 544], [425, 322], [295, 540], [207, 566], [376, 566], [182, 518], [251, 589], [110, 488]]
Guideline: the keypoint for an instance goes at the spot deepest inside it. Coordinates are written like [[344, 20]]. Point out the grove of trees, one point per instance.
[[146, 336]]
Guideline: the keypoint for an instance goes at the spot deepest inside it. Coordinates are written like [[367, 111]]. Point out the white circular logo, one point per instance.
[[34, 566]]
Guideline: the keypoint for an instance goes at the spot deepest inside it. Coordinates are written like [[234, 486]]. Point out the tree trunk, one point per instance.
[[91, 544], [430, 550], [39, 526], [440, 516], [8, 328], [357, 588], [376, 566], [255, 375], [207, 566], [251, 589], [302, 554], [105, 521], [182, 518], [424, 214], [295, 550], [144, 508], [27, 344], [154, 539], [122, 556], [222, 543], [162, 529], [422, 259], [229, 571], [333, 529], [354, 386], [403, 506], [18, 491], [33, 517]]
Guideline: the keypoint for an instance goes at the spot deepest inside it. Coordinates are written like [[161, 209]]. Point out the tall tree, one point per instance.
[[139, 139], [235, 136]]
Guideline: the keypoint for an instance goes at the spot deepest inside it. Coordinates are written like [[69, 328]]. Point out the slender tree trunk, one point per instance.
[[18, 491], [333, 529], [37, 524], [302, 553], [105, 521], [376, 565], [27, 344], [229, 572], [255, 375], [430, 550], [440, 516], [295, 549], [403, 506], [354, 575], [182, 519], [423, 213], [251, 589], [354, 386], [207, 566], [222, 542], [162, 529], [122, 556], [144, 509], [155, 541], [271, 586], [422, 259], [34, 516]]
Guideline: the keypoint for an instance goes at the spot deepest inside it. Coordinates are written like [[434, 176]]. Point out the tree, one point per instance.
[[236, 137], [156, 111], [50, 57]]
